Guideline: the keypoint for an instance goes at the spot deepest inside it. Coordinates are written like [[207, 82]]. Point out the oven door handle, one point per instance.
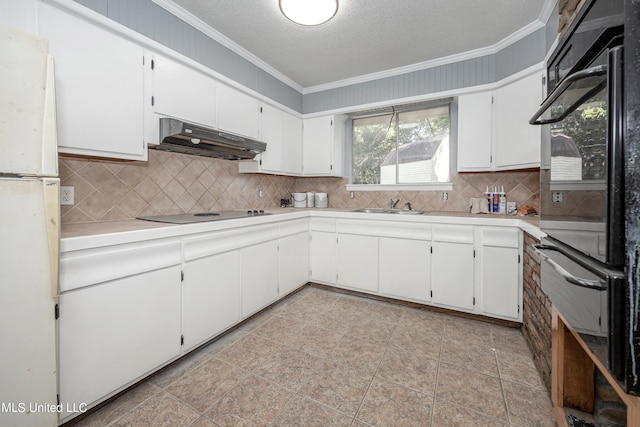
[[598, 73], [598, 285]]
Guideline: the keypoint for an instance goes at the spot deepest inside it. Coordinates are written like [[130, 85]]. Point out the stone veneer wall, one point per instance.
[[567, 10], [170, 183], [536, 312]]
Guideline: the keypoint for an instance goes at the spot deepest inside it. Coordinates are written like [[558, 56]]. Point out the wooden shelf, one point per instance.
[[572, 375]]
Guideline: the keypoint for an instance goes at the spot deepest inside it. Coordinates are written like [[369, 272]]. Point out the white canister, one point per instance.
[[321, 200], [311, 199], [299, 200]]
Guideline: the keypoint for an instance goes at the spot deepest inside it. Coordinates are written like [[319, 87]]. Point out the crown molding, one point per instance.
[[549, 7], [476, 53], [205, 28], [200, 25]]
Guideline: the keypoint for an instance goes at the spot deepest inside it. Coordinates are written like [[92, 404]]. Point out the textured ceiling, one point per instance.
[[365, 36]]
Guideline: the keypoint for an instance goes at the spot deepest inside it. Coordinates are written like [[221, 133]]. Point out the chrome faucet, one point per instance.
[[393, 204]]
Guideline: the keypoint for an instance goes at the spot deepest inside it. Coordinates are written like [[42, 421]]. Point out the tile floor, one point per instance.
[[322, 358]]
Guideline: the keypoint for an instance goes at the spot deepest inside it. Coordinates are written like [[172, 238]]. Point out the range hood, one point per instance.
[[188, 138]]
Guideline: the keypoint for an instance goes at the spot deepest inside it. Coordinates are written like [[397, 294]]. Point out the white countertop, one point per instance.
[[89, 235]]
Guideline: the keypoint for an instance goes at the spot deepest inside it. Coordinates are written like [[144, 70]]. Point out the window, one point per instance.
[[402, 147]]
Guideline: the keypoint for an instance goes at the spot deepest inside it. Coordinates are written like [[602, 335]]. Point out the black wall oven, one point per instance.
[[582, 188]]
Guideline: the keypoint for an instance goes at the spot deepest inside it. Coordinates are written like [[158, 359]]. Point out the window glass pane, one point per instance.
[[373, 139], [411, 147], [423, 146]]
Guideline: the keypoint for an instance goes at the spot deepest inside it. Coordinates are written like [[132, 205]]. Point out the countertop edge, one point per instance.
[[77, 237]]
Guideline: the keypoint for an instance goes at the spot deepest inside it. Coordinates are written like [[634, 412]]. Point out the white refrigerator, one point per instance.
[[29, 232]]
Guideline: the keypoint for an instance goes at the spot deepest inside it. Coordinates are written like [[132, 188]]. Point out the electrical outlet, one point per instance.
[[445, 196], [260, 193], [66, 195]]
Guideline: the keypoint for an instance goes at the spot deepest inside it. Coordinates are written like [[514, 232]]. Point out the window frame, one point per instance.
[[431, 186]]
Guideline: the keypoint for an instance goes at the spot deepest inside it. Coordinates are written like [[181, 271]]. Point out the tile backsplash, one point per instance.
[[170, 183]]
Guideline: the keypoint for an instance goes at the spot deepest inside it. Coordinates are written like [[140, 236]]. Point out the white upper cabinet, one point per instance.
[[272, 132], [292, 145], [237, 112], [99, 87], [173, 89], [475, 139], [517, 142], [322, 150], [283, 134], [493, 127]]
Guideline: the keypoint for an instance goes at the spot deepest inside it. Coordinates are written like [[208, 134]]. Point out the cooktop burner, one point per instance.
[[203, 216]]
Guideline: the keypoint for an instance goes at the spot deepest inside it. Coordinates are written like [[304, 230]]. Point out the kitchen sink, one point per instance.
[[389, 211]]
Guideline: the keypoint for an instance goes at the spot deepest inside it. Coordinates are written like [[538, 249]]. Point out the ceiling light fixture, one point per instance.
[[309, 12]]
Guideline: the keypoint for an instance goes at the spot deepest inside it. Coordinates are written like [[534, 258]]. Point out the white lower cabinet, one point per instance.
[[404, 268], [113, 333], [323, 250], [293, 256], [258, 276], [357, 257], [452, 263], [323, 257], [210, 297], [452, 275], [501, 272]]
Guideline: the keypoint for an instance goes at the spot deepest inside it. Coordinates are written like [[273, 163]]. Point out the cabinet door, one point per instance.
[[210, 297], [500, 281], [175, 90], [475, 124], [258, 276], [452, 274], [116, 332], [99, 83], [404, 268], [237, 112], [517, 143], [292, 144], [357, 258], [317, 142], [293, 262], [323, 257], [272, 132]]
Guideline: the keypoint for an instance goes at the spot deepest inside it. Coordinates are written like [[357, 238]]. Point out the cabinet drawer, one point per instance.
[[223, 241], [327, 225], [288, 228], [453, 233], [501, 237], [84, 268]]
